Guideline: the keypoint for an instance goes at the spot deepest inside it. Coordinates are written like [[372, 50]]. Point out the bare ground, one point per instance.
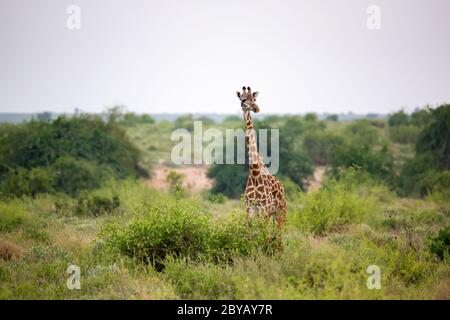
[[316, 181], [194, 178]]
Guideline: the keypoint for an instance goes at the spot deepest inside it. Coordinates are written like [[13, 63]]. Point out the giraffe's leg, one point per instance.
[[281, 218]]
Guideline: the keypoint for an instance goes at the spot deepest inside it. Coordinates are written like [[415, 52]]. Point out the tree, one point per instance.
[[398, 118], [421, 117], [332, 117], [435, 137], [44, 116]]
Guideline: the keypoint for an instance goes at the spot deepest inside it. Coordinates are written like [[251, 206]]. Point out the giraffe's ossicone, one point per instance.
[[264, 193]]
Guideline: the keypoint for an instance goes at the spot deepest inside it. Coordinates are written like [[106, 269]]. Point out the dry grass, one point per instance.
[[9, 251]]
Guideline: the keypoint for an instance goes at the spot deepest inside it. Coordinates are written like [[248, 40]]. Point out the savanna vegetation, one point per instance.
[[74, 192]]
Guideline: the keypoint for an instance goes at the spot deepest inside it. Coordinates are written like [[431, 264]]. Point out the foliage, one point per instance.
[[421, 117], [398, 118], [404, 133], [337, 204], [176, 230], [130, 119], [185, 122], [321, 145], [96, 205], [428, 170], [175, 181], [435, 137], [440, 243], [66, 155], [332, 117], [216, 197]]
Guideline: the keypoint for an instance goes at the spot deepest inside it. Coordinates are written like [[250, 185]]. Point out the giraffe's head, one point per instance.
[[248, 99]]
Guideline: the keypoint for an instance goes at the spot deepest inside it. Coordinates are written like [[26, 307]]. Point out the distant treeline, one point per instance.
[[370, 145], [215, 117], [64, 155]]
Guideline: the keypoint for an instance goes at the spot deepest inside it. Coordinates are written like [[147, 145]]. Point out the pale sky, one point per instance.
[[192, 55]]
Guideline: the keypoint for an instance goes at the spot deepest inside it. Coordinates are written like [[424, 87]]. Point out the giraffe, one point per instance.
[[264, 193]]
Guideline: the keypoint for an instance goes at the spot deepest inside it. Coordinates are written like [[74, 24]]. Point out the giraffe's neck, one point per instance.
[[255, 164], [253, 155]]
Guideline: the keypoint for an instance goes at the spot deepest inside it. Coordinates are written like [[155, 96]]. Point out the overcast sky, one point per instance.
[[192, 55]]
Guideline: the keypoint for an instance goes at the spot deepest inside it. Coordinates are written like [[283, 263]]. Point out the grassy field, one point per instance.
[[134, 242]]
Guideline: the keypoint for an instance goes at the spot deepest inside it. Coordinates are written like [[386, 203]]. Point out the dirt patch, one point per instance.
[[194, 178], [316, 181]]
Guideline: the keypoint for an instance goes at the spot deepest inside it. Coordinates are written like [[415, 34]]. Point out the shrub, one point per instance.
[[338, 203], [379, 163], [421, 117], [12, 215], [194, 281], [185, 122], [216, 197], [73, 175], [320, 146], [175, 181], [332, 117], [404, 133], [361, 134], [398, 118], [164, 231], [96, 205], [30, 152], [229, 179], [130, 119], [40, 180], [440, 244], [434, 138], [176, 230], [236, 236], [15, 183]]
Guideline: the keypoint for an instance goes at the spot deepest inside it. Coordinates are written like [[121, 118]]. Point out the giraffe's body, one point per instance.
[[264, 193]]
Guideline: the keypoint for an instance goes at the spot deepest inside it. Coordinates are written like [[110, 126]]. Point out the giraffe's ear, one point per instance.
[[255, 94], [238, 94]]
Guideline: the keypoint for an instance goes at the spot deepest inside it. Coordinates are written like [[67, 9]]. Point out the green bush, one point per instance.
[[440, 244], [404, 133], [130, 119], [379, 163], [177, 230], [15, 183], [229, 179], [236, 236], [21, 182], [73, 175], [185, 122], [12, 214], [79, 148], [435, 138], [398, 118], [194, 281], [164, 231], [320, 146], [338, 203], [96, 205], [40, 180], [421, 118], [216, 197], [175, 181], [362, 134]]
